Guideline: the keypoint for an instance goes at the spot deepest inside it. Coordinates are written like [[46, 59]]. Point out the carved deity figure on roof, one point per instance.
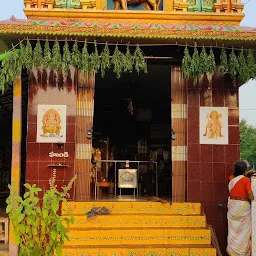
[[147, 4]]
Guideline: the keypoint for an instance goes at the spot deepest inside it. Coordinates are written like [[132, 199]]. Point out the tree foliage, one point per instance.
[[248, 142]]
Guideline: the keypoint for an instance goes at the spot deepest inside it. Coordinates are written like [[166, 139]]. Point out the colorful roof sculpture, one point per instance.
[[126, 30]]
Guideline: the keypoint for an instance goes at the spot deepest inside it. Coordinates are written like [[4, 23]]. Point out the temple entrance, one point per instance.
[[132, 121]]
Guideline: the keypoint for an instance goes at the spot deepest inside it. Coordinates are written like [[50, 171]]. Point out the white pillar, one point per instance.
[[254, 217]]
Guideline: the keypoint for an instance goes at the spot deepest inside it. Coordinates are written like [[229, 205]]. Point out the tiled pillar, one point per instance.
[[85, 111], [254, 217], [16, 151], [179, 125]]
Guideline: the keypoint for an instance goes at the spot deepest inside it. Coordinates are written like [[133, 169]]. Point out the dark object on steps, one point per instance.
[[95, 211]]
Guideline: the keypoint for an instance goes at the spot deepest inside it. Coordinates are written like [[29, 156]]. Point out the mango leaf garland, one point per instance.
[[186, 64], [105, 60], [37, 55], [95, 59], [66, 60], [233, 65], [28, 61], [195, 63], [243, 72], [223, 62], [85, 60], [56, 57], [251, 64], [118, 62], [139, 61], [76, 56], [129, 60], [47, 55]]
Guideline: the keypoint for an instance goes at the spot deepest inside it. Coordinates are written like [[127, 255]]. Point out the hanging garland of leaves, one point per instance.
[[66, 61], [186, 64], [239, 67], [223, 62], [105, 60], [60, 61], [243, 72]]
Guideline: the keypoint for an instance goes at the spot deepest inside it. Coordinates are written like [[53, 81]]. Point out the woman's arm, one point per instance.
[[251, 196]]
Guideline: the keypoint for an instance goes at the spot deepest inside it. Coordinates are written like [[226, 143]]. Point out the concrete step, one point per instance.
[[151, 250], [124, 237], [138, 221], [154, 208]]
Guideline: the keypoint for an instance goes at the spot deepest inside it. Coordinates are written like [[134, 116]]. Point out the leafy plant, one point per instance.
[[211, 65], [186, 64], [251, 64], [203, 64], [129, 60], [105, 60], [38, 228], [85, 63], [118, 62], [139, 60], [233, 65], [95, 59], [195, 64], [66, 61], [37, 55], [223, 62], [243, 72], [76, 56], [47, 55], [28, 58], [56, 62]]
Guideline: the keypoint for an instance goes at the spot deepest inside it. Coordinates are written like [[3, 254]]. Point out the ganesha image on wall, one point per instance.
[[51, 124]]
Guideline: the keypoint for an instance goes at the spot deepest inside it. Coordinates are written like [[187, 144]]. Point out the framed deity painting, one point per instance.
[[51, 124], [213, 128]]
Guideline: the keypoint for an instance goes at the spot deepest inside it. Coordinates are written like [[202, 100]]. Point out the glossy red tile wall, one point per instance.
[[37, 170], [209, 166]]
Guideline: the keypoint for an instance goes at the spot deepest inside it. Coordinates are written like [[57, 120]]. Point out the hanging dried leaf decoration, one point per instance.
[[95, 58], [76, 56], [195, 63], [56, 57], [203, 61], [139, 61], [105, 60], [211, 64], [223, 62], [28, 62], [233, 65], [118, 62], [243, 72], [37, 55], [2, 81], [251, 64], [85, 60], [66, 60], [186, 64], [23, 53], [129, 60], [47, 55]]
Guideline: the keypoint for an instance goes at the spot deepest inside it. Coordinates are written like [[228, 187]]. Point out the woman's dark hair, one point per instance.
[[240, 168]]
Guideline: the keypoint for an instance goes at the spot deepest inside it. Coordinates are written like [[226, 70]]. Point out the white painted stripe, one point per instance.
[[83, 151], [179, 111], [179, 153]]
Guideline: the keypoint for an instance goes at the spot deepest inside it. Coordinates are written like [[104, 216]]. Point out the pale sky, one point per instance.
[[247, 92]]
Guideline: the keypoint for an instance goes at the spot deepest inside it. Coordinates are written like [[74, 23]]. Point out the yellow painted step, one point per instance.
[[80, 208], [148, 251], [139, 237], [138, 221]]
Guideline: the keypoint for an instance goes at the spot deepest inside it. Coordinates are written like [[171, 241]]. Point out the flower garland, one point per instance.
[[241, 66], [60, 60]]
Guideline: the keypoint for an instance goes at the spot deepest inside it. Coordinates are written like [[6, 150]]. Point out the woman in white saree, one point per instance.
[[239, 213]]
